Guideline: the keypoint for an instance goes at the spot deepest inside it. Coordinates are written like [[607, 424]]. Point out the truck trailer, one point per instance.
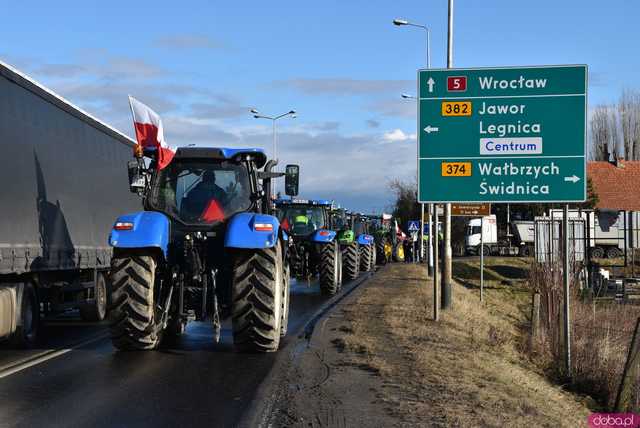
[[63, 182]]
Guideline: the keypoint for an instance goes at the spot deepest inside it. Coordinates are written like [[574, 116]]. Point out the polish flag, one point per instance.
[[149, 131]]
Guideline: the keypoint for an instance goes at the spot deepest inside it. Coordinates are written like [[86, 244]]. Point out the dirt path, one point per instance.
[[379, 360]]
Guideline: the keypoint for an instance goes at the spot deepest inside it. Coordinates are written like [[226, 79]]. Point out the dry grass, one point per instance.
[[466, 370], [601, 334]]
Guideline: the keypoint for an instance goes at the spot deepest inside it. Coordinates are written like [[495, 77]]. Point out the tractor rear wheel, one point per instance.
[[351, 261], [329, 268], [133, 321], [380, 252], [257, 292], [365, 258]]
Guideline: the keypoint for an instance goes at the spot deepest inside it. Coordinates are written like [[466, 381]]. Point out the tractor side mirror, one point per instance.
[[291, 180], [136, 179]]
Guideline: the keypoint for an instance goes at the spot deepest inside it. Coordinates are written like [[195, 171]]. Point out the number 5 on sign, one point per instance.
[[456, 169]]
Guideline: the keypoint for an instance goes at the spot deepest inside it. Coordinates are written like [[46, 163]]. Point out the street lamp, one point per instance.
[[273, 119], [399, 23], [402, 22]]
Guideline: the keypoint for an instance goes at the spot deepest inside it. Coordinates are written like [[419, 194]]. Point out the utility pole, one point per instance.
[[436, 294], [446, 269]]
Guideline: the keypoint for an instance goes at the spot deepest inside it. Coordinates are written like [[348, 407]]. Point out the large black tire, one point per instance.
[[380, 256], [133, 319], [257, 292], [374, 255], [97, 309], [365, 258], [351, 261], [26, 334], [329, 268], [285, 301]]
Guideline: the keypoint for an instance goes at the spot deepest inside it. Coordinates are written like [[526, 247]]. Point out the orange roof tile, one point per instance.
[[617, 187]]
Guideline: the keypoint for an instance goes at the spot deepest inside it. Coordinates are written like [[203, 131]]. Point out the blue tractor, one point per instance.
[[314, 248], [206, 246]]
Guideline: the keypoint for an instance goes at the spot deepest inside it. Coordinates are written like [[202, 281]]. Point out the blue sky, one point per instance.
[[341, 64]]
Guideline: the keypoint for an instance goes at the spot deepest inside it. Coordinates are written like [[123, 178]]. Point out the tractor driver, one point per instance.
[[200, 197]]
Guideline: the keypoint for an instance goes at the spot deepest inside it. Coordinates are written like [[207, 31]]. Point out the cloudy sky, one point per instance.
[[341, 64]]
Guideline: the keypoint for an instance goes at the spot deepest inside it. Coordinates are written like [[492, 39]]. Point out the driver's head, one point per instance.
[[209, 177]]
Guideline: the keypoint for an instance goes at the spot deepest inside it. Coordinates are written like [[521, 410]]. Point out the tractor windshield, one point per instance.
[[197, 192], [302, 220]]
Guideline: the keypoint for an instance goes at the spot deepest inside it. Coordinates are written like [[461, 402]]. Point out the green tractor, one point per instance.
[[388, 239], [356, 245]]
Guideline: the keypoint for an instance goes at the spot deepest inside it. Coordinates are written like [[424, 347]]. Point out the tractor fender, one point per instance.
[[323, 235], [150, 230], [365, 239], [252, 230]]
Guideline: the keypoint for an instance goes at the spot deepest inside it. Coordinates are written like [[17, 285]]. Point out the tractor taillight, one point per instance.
[[123, 225], [324, 233], [263, 227]]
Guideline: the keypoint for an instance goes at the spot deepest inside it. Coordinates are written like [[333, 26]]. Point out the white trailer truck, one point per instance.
[[518, 241]]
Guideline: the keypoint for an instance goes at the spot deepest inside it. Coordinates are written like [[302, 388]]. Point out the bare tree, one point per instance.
[[629, 110], [604, 137]]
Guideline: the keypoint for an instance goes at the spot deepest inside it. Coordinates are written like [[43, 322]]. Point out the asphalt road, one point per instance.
[[83, 381]]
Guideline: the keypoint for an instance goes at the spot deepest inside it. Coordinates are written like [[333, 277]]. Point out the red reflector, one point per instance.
[[324, 233], [263, 227], [121, 225]]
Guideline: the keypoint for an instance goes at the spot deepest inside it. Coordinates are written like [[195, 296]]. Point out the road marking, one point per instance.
[[34, 360]]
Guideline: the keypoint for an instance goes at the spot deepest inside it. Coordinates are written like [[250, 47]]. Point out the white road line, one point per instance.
[[40, 358]]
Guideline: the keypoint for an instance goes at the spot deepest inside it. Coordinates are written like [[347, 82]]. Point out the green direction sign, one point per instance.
[[510, 134]]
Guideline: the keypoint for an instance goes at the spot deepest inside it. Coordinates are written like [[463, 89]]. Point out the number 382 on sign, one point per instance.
[[456, 169]]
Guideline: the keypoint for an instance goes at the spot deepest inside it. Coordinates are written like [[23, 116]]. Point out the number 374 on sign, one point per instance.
[[456, 169]]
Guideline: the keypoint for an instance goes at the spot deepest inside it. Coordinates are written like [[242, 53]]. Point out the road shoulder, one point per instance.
[[378, 359]]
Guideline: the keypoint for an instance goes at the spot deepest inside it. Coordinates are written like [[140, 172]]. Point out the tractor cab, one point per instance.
[[302, 217]]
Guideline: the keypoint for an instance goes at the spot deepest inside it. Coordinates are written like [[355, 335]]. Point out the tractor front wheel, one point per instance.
[[365, 258], [133, 321], [258, 292]]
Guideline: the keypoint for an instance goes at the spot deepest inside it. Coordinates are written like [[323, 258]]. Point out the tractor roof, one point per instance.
[[254, 154], [318, 202]]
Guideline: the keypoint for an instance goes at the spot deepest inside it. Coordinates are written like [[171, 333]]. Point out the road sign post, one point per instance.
[[502, 134]]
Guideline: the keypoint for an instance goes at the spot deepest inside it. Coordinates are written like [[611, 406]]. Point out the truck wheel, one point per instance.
[[257, 293], [381, 258], [96, 310], [365, 258], [613, 252], [597, 252], [329, 268], [486, 251], [26, 333], [133, 321], [351, 261]]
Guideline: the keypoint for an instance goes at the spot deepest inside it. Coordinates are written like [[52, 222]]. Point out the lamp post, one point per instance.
[[273, 119], [399, 23]]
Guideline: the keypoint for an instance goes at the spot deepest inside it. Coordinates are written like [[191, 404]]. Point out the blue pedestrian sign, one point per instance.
[[414, 226]]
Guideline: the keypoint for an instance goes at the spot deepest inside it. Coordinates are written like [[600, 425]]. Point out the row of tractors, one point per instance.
[[213, 242]]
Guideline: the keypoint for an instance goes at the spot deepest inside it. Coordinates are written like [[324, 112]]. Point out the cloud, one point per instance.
[[323, 126], [397, 135], [372, 123], [344, 86], [187, 41], [222, 108], [60, 70], [394, 107]]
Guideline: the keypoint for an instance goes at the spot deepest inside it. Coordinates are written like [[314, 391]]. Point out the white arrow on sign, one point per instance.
[[573, 178], [429, 129], [430, 83]]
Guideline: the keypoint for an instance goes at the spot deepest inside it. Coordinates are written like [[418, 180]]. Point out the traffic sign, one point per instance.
[[414, 226], [470, 210], [510, 134]]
